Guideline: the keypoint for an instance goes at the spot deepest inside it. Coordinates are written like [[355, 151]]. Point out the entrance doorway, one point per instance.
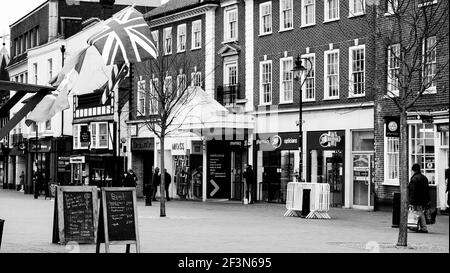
[[363, 187], [278, 171]]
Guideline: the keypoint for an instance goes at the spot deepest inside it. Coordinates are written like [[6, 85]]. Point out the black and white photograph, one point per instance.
[[239, 128]]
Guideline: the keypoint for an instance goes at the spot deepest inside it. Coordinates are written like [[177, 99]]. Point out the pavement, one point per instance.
[[224, 227]]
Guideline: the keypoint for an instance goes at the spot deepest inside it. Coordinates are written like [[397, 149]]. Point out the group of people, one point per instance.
[[151, 187]]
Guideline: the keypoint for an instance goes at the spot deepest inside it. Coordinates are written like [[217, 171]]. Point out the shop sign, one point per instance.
[[326, 140], [77, 160], [85, 136], [197, 147], [63, 163], [280, 141], [179, 148], [41, 146], [361, 168], [392, 126], [142, 144], [330, 139]]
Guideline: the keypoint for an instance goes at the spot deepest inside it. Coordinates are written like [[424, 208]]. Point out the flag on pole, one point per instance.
[[125, 37], [82, 74], [118, 73]]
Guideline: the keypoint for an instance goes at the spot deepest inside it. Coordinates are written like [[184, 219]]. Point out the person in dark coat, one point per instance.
[[249, 176], [131, 179], [148, 191], [156, 181], [419, 195], [38, 181], [167, 181]]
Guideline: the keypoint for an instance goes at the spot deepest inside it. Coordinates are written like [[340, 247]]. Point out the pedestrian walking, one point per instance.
[[156, 181], [21, 181], [419, 196], [37, 183], [167, 181], [130, 179], [249, 176]]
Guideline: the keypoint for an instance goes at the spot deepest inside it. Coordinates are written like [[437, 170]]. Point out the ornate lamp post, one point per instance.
[[297, 73]]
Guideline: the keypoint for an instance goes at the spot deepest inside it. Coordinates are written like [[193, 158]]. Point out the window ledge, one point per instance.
[[229, 41], [286, 102], [181, 51], [308, 100], [195, 48], [308, 25], [331, 20], [395, 184], [356, 15], [387, 14], [265, 34], [286, 29], [331, 98], [356, 96], [430, 91], [241, 101], [265, 104]]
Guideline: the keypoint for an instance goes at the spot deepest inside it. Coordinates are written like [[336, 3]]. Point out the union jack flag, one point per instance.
[[118, 73], [126, 37]]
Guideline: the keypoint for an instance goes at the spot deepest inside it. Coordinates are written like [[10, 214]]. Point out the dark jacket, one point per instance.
[[419, 190], [130, 180], [156, 179], [249, 176], [167, 179]]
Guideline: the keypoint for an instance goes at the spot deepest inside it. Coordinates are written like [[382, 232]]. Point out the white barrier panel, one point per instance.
[[319, 203]]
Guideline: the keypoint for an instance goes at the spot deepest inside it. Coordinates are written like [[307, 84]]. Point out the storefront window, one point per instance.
[[444, 138], [422, 149], [363, 141]]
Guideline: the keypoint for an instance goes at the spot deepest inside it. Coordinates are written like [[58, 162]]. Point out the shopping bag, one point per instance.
[[413, 219], [430, 215]]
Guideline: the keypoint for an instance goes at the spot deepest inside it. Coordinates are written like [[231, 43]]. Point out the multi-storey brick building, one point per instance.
[[209, 39], [428, 118], [43, 31], [337, 95]]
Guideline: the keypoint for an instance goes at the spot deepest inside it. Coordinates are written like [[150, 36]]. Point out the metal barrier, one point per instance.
[[319, 203]]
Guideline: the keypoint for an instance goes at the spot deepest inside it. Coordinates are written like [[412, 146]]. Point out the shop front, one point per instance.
[[326, 162], [142, 160], [278, 164], [226, 161]]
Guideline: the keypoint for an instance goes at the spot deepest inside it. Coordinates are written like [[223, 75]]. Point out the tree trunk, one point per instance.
[[403, 177], [163, 174]]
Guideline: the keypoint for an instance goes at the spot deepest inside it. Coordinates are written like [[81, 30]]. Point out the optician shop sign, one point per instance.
[[280, 141]]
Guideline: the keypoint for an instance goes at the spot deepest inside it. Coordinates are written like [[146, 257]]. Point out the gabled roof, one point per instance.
[[174, 6]]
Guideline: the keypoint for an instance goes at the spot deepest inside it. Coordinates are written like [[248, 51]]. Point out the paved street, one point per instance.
[[224, 227]]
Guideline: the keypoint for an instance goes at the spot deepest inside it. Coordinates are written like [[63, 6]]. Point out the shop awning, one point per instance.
[[204, 116]]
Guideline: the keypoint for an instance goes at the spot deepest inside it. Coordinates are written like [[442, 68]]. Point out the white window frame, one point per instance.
[[432, 88], [413, 154], [48, 125], [351, 91], [226, 74], [390, 81], [35, 71], [76, 137], [196, 28], [95, 133], [282, 81], [351, 5], [181, 32], [387, 165], [155, 35], [196, 78], [154, 107], [141, 98], [168, 86], [326, 86], [283, 17], [181, 83], [326, 9], [261, 84], [261, 18], [309, 56], [50, 69], [303, 13], [227, 29], [167, 36]]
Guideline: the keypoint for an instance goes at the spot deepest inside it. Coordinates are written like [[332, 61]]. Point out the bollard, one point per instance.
[[2, 222], [305, 203], [396, 210]]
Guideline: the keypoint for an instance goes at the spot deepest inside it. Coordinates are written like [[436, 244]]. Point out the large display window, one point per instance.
[[422, 150]]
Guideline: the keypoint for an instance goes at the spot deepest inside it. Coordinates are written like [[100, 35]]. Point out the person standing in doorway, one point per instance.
[[148, 192], [156, 180], [419, 195], [249, 176], [167, 181], [131, 179], [37, 183]]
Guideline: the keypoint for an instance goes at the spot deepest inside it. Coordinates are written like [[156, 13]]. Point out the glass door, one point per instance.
[[362, 180]]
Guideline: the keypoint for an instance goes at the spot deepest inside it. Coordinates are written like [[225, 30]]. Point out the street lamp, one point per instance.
[[297, 73]]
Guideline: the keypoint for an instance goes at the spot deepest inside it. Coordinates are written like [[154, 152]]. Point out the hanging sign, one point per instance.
[[392, 126]]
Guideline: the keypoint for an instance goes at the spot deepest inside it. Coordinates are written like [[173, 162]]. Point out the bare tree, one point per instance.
[[172, 86], [412, 34], [408, 36]]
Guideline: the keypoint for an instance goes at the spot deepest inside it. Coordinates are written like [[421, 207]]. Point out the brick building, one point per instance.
[[338, 97], [428, 118]]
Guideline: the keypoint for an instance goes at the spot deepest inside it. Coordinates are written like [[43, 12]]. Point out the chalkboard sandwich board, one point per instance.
[[119, 217], [77, 214]]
